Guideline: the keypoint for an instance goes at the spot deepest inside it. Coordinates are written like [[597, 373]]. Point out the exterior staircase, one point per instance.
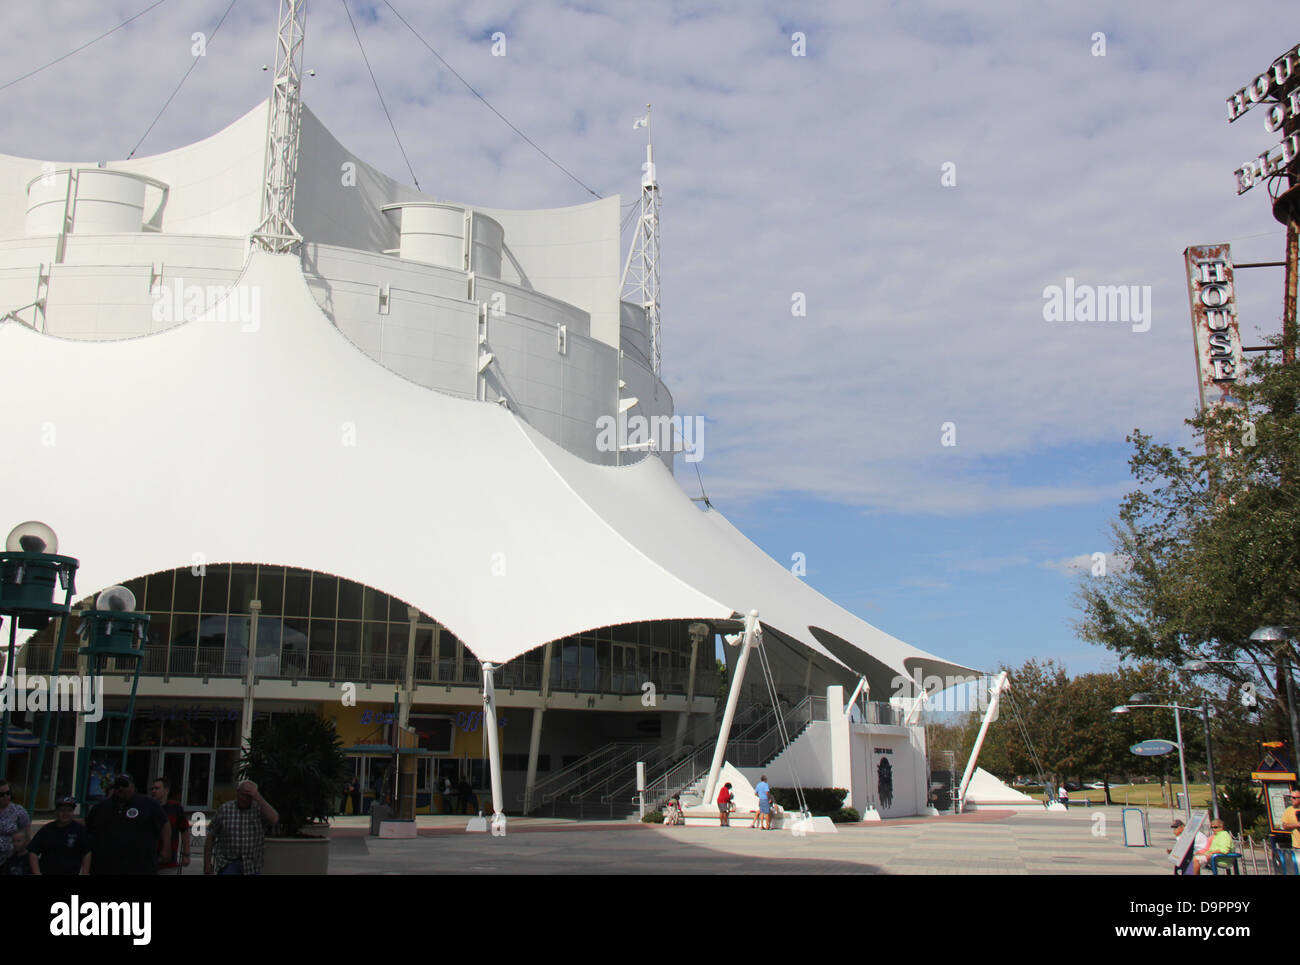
[[602, 784]]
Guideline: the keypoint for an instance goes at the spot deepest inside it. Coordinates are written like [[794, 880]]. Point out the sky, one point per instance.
[[914, 175]]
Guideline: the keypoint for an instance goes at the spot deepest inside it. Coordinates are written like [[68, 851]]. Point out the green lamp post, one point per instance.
[[112, 631], [30, 569]]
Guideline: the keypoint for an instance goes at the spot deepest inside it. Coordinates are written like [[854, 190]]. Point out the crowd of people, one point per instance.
[[129, 833]]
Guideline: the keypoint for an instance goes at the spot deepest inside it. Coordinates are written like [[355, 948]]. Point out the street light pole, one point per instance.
[[1209, 754], [1182, 764]]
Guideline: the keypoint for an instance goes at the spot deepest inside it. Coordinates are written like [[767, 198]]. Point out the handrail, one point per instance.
[[544, 792], [655, 756], [631, 753], [694, 765]]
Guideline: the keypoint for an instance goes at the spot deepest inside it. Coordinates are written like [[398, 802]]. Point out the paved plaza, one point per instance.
[[1033, 842]]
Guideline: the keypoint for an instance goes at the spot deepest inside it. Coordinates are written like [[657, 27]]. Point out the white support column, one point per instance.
[[494, 750], [534, 747], [535, 739], [841, 745], [683, 719], [733, 696], [995, 694], [857, 692], [250, 673], [408, 691]]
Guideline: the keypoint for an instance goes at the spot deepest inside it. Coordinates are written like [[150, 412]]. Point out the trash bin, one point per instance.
[[1182, 802], [378, 812]]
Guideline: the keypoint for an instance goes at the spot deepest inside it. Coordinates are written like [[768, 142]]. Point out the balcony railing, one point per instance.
[[296, 665]]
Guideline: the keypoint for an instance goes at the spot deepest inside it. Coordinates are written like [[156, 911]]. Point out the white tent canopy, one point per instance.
[[214, 442]]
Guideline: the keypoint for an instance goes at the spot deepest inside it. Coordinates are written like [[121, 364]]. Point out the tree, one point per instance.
[[1067, 727], [1209, 542]]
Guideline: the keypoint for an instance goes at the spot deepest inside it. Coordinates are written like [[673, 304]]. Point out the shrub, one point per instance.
[[1240, 800], [298, 764], [653, 817], [821, 800], [846, 816]]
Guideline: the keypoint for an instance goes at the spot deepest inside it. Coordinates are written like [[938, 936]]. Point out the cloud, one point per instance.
[[1088, 562], [782, 174]]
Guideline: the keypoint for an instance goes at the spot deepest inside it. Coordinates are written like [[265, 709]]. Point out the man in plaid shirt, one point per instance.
[[237, 835]]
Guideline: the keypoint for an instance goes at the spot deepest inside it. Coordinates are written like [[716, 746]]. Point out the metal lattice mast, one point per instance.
[[641, 275], [276, 232]]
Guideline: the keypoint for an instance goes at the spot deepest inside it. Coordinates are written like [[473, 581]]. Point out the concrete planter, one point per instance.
[[297, 856]]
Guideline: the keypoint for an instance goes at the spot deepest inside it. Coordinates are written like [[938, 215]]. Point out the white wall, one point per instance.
[[904, 765]]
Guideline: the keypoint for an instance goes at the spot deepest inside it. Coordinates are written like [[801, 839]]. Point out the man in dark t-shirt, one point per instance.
[[125, 830], [63, 845], [160, 791]]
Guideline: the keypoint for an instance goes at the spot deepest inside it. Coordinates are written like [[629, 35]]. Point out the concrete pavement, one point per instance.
[[1034, 842]]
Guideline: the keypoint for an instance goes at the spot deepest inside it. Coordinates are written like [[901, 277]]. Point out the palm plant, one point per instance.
[[298, 764]]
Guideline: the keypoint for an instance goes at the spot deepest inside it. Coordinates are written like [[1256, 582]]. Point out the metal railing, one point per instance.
[[571, 775], [760, 750], [883, 714], [679, 776], [180, 661]]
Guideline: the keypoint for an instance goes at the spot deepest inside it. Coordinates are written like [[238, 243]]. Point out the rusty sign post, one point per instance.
[[1277, 90]]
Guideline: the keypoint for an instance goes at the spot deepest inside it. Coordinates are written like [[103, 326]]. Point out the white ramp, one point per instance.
[[987, 791]]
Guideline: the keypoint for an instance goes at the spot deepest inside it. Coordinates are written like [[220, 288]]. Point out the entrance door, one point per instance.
[[198, 780], [190, 775]]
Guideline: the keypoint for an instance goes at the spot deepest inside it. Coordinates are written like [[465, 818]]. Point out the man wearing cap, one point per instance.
[[125, 831], [1199, 842], [62, 847], [236, 839]]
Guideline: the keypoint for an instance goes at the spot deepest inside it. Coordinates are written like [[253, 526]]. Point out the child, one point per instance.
[[673, 813], [19, 862]]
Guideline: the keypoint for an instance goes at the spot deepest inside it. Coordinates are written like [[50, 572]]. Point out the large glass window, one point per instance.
[[243, 587], [216, 586], [349, 600], [324, 594], [270, 589], [317, 626], [158, 592], [188, 585], [297, 593]]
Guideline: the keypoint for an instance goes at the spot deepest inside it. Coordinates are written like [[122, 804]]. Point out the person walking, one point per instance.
[[13, 817], [236, 840], [1063, 796], [128, 832], [61, 847], [160, 791]]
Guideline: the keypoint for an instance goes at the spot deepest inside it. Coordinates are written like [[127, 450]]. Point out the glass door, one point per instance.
[[173, 769], [198, 780], [190, 776]]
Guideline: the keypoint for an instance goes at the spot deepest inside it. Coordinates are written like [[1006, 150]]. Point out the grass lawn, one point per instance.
[[1135, 794]]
